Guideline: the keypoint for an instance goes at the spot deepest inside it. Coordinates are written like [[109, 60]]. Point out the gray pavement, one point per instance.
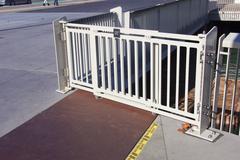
[[10, 21], [155, 149], [169, 144], [37, 5], [28, 78]]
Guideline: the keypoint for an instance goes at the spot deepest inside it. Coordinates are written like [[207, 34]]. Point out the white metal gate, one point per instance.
[[79, 58], [147, 69]]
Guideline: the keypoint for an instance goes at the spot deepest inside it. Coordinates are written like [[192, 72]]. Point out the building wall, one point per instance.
[[183, 16]]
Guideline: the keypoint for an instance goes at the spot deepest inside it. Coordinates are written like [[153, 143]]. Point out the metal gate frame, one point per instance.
[[207, 63], [74, 36]]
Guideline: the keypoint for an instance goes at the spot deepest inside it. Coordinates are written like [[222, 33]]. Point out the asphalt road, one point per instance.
[[105, 5]]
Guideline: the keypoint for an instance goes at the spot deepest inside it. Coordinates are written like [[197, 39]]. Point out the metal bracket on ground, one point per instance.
[[207, 134]]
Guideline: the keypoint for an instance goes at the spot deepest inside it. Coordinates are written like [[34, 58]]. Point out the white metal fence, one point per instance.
[[220, 4], [225, 10], [147, 69], [226, 107], [168, 74], [107, 19]]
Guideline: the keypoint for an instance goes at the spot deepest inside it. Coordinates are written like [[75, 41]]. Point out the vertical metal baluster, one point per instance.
[[225, 91], [109, 64], [160, 75], [234, 92], [115, 65], [104, 22], [168, 74], [177, 77], [85, 56], [129, 68], [88, 48], [136, 68], [80, 56], [89, 55], [152, 71], [69, 52], [74, 56], [102, 62], [144, 70], [186, 79], [156, 68], [99, 54], [217, 81], [122, 66]]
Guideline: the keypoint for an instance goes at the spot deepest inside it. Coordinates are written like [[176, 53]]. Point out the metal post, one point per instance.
[[203, 85], [61, 55], [126, 19], [118, 11], [94, 62]]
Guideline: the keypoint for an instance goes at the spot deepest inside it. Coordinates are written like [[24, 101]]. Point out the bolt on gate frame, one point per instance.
[[109, 61]]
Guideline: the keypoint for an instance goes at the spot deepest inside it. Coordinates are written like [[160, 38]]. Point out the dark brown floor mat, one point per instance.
[[79, 127]]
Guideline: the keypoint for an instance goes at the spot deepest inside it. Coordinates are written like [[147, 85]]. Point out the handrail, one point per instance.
[[142, 32]]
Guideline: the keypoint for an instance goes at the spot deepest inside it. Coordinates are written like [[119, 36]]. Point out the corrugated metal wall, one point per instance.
[[183, 16]]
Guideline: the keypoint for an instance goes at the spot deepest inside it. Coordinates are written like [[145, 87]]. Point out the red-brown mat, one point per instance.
[[79, 127]]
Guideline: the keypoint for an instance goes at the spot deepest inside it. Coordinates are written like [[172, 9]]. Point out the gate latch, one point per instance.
[[116, 33]]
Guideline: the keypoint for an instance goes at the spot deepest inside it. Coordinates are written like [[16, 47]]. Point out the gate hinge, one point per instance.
[[198, 111], [206, 110], [201, 56], [63, 36], [207, 107], [211, 53], [210, 62], [63, 32], [66, 72], [202, 53]]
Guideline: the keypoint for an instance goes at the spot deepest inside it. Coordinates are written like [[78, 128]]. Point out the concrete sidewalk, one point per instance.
[[169, 144], [9, 21], [28, 77]]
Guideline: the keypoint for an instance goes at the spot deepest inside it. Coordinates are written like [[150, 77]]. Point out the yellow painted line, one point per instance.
[[142, 142]]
